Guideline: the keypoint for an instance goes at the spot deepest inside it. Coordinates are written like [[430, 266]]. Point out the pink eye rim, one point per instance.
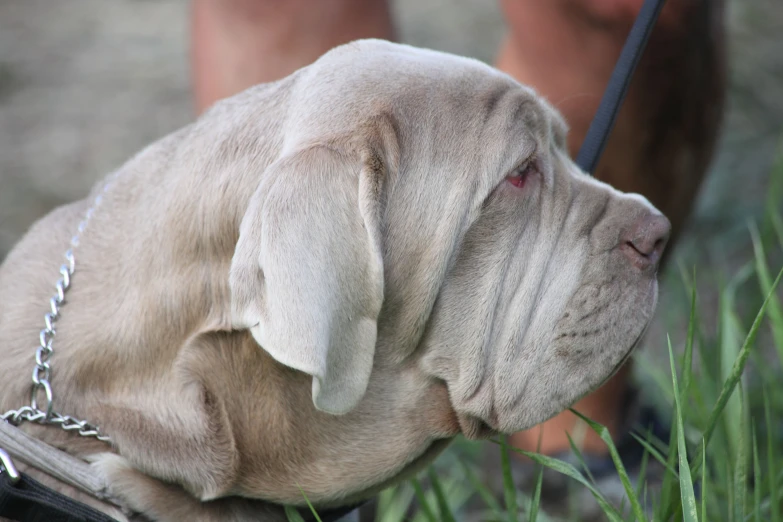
[[519, 176]]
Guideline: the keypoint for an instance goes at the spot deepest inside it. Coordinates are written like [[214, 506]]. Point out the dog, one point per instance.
[[323, 280]]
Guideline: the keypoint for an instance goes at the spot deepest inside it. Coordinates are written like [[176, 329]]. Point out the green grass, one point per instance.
[[723, 388]]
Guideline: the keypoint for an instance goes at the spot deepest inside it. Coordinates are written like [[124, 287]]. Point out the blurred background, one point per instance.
[[84, 84]]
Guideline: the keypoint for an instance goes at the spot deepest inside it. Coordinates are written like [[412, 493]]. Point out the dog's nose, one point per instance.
[[643, 242]]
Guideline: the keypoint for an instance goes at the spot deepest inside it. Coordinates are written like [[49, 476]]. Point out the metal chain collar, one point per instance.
[[42, 387]]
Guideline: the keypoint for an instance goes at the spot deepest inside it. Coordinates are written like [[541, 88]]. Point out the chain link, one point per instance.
[[66, 422], [42, 412]]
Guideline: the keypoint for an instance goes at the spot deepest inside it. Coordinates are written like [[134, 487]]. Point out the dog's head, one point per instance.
[[424, 212]]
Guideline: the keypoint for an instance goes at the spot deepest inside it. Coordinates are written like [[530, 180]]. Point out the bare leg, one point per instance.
[[239, 43], [664, 136]]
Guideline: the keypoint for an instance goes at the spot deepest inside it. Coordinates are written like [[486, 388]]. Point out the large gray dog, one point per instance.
[[322, 281]]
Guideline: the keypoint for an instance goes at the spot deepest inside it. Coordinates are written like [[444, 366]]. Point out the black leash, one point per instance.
[[604, 118], [26, 500]]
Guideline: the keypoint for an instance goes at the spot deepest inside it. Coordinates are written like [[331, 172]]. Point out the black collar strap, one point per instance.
[[603, 122], [25, 500]]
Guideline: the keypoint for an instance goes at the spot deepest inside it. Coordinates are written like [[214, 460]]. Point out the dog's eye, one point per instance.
[[520, 175]]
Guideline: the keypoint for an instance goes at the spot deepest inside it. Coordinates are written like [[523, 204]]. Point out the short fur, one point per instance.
[[322, 281]]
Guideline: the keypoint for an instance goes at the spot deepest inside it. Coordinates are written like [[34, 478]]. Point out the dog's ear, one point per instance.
[[307, 272]]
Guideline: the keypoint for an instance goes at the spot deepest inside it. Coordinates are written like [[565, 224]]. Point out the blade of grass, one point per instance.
[[509, 489], [574, 502], [536, 500], [642, 472], [293, 515], [312, 509], [730, 343], [669, 488], [443, 505], [736, 373], [650, 449], [484, 492], [689, 512], [580, 458], [774, 310], [741, 463], [659, 377], [777, 224], [564, 468], [605, 436], [710, 382], [772, 462], [424, 506], [668, 497], [729, 493], [670, 503], [703, 485], [758, 484], [775, 186], [687, 358], [394, 503]]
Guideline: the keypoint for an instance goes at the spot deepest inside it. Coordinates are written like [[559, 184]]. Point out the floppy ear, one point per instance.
[[307, 272]]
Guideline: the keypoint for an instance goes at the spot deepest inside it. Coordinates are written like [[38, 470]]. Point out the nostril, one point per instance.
[[632, 245], [645, 240], [647, 246], [660, 244], [639, 258]]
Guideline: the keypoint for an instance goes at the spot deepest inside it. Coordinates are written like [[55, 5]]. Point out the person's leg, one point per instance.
[[664, 136], [238, 43], [573, 79]]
